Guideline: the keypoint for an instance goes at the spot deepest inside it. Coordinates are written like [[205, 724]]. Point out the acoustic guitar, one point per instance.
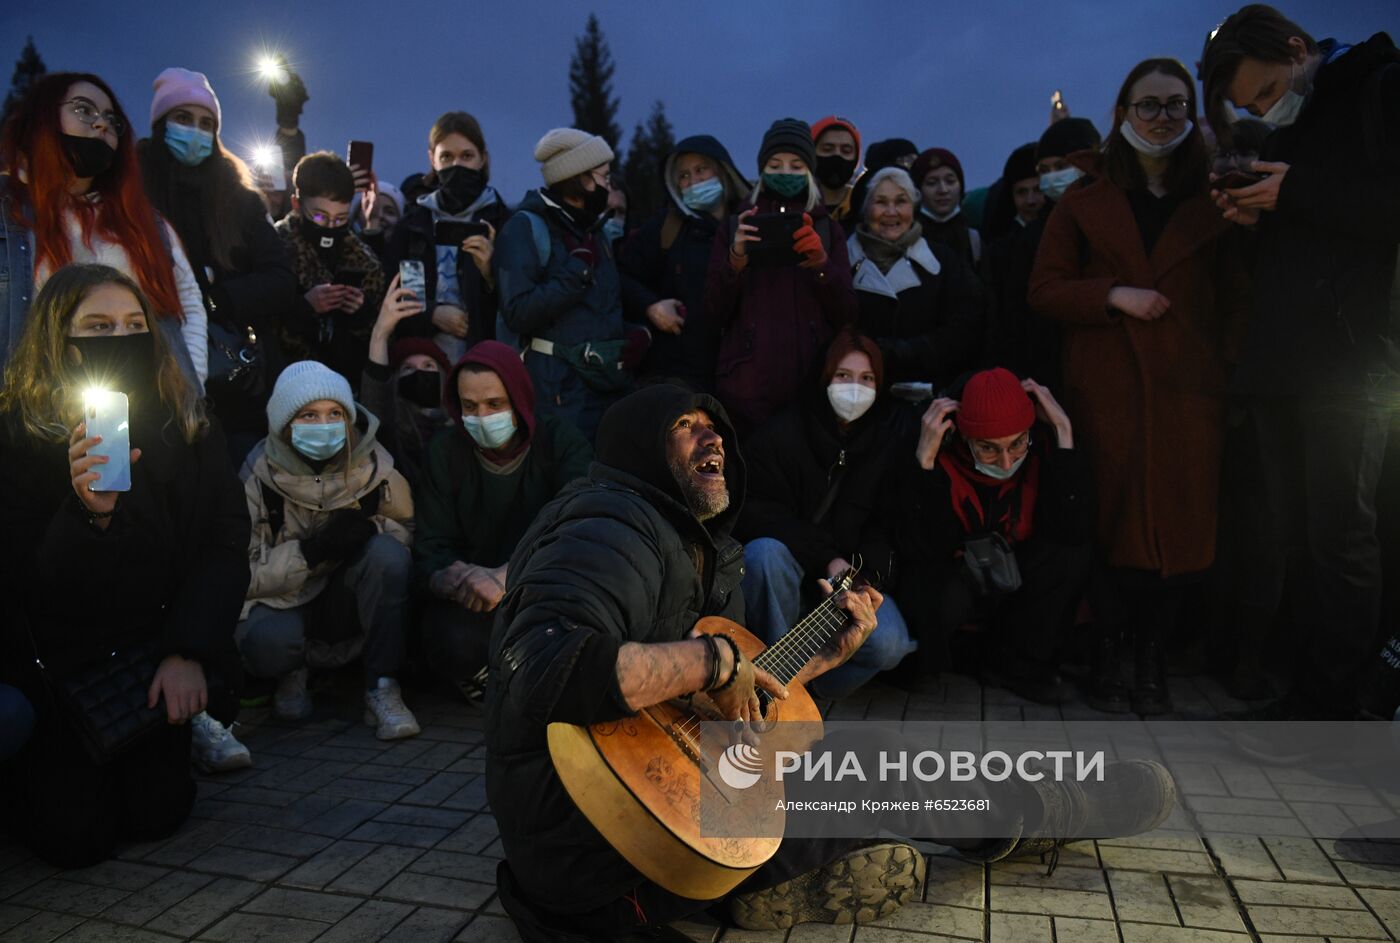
[[651, 784]]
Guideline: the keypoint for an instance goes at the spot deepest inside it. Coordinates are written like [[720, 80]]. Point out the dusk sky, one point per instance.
[[974, 77]]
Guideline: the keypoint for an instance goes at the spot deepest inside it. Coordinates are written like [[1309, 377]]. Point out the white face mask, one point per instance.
[[1054, 183], [1146, 148], [850, 401], [1285, 111], [492, 431]]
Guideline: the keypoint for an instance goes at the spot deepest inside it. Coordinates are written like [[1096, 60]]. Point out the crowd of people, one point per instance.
[[1139, 387]]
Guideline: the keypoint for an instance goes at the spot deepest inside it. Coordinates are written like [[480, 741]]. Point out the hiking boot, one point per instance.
[[292, 701], [1150, 693], [863, 885], [214, 748], [384, 708], [1107, 690], [1135, 796]]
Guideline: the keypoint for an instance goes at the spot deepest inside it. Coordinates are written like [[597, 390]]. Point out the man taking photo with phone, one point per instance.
[[1320, 363]]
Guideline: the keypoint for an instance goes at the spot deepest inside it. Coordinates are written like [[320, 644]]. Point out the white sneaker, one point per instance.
[[214, 748], [384, 707], [292, 701]]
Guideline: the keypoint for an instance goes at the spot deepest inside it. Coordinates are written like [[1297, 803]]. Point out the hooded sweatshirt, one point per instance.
[[668, 257], [474, 504], [616, 558]]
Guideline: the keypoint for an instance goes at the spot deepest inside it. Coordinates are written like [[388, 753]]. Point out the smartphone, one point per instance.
[[361, 154], [106, 415], [1235, 180], [1057, 101], [411, 277], [448, 232], [351, 277], [774, 246]]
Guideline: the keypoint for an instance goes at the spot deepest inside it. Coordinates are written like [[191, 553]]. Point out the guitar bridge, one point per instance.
[[686, 741]]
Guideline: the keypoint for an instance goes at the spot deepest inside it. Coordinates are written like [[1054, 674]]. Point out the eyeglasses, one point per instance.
[[1150, 108], [988, 452], [85, 110], [605, 181], [327, 220]]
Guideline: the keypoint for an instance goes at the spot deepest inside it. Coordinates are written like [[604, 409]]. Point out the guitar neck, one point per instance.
[[790, 654]]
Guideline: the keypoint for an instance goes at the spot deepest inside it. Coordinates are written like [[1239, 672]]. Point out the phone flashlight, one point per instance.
[[94, 397], [271, 69], [266, 157]]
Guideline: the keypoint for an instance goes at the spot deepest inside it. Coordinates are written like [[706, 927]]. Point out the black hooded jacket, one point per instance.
[[617, 557], [669, 257], [1327, 255]]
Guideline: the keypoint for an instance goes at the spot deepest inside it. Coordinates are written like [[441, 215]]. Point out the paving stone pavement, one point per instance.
[[337, 837]]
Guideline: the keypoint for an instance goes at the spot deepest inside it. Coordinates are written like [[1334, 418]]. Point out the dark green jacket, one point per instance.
[[466, 513]]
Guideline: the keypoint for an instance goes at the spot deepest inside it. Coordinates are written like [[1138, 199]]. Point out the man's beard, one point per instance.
[[703, 503]]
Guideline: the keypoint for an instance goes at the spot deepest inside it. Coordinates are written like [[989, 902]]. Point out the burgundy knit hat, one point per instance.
[[406, 347], [993, 406], [932, 159]]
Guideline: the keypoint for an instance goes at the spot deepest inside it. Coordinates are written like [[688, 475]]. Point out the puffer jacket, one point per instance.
[[281, 578]]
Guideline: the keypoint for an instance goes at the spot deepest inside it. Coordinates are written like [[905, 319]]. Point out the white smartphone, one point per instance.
[[106, 415]]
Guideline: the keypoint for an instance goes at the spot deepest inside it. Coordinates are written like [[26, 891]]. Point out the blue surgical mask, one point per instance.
[[996, 471], [1146, 148], [493, 431], [1054, 183], [613, 229], [189, 145], [704, 195], [318, 441]]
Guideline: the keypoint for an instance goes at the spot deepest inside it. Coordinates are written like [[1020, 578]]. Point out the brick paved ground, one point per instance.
[[339, 838]]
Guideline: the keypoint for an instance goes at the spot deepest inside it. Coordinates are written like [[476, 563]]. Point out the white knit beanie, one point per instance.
[[568, 152], [304, 382]]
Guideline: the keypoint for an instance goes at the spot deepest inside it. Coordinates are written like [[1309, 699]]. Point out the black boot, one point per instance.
[[1150, 694], [1108, 690]]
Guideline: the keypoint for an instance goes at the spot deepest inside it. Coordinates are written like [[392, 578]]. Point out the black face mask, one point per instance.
[[89, 157], [125, 363], [459, 187], [326, 240], [595, 201], [422, 388], [834, 171]]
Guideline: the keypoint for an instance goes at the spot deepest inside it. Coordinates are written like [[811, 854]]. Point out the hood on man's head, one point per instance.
[[735, 185], [505, 362], [633, 434]]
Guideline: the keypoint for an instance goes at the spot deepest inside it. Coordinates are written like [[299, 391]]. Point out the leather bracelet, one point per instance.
[[712, 657], [733, 671]]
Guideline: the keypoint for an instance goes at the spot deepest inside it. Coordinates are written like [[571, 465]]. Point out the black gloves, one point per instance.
[[344, 534], [290, 94]]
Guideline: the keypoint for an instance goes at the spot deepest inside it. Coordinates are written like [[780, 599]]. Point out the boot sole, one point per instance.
[[863, 886]]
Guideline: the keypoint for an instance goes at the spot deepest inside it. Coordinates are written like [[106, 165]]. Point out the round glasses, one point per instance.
[[1150, 108], [86, 111], [989, 452]]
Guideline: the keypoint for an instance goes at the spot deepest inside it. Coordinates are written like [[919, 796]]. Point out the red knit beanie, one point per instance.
[[932, 159], [851, 340], [406, 347], [993, 406]]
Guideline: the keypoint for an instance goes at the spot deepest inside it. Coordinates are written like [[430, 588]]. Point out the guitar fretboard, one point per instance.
[[790, 653]]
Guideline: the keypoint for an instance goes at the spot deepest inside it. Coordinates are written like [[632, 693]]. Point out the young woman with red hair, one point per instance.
[[72, 193]]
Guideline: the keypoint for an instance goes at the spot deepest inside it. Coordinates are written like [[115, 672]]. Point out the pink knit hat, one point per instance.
[[993, 405], [175, 87]]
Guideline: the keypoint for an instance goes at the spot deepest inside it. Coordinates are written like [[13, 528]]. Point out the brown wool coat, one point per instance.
[[1147, 399]]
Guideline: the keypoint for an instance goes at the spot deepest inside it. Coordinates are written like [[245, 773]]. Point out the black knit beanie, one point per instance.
[[791, 135]]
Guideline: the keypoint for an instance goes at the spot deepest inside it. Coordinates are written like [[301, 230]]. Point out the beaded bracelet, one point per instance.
[[733, 671]]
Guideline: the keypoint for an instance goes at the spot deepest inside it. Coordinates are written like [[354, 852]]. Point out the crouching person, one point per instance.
[[106, 578], [330, 561], [486, 480], [997, 528]]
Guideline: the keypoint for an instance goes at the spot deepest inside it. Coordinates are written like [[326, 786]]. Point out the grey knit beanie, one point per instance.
[[304, 382], [568, 152]]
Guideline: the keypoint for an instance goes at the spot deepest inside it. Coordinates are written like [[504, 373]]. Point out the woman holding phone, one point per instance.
[[72, 193], [90, 572], [779, 280], [1138, 267], [452, 230], [242, 269]]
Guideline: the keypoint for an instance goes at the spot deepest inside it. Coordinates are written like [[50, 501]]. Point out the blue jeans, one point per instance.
[[16, 721], [773, 602]]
